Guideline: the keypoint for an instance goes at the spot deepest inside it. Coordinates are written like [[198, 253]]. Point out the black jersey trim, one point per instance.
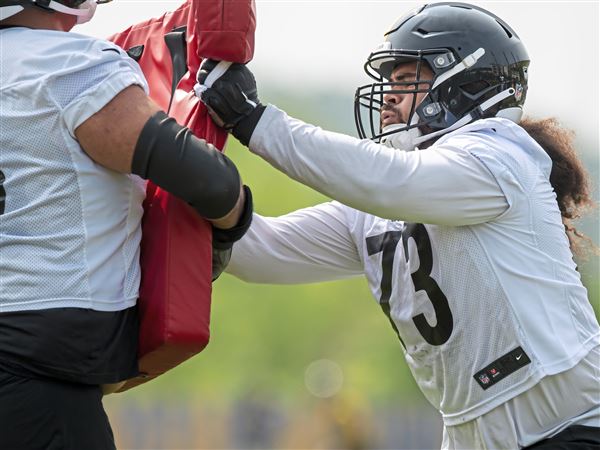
[[501, 368]]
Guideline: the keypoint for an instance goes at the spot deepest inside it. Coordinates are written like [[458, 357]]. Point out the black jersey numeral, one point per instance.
[[422, 280], [2, 193], [387, 243]]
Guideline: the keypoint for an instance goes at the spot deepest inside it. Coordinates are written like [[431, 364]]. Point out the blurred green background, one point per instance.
[[251, 387]]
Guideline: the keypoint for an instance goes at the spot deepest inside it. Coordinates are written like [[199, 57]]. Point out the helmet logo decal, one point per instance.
[[518, 92]]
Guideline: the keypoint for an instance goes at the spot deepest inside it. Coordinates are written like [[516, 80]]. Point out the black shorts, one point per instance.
[[576, 437], [45, 414]]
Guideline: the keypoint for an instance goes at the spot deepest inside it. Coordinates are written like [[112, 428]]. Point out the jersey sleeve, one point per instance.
[[306, 246], [90, 79], [444, 184]]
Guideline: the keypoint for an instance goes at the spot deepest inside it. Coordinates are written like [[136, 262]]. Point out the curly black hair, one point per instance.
[[569, 178]]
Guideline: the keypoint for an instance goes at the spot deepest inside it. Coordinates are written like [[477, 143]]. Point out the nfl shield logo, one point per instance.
[[484, 378]]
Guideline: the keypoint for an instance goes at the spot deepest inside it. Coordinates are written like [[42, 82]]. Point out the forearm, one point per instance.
[[443, 185], [290, 249], [412, 186], [174, 159]]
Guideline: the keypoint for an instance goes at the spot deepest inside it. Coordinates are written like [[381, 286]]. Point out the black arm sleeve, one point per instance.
[[171, 157]]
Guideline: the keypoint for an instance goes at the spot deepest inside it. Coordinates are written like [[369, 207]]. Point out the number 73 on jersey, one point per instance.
[[386, 244]]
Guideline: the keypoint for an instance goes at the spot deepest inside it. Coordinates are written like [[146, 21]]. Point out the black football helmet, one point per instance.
[[479, 67]]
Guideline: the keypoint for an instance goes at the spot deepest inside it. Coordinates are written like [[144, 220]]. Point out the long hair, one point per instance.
[[569, 178]]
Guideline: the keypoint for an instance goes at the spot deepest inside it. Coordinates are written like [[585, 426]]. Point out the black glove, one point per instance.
[[223, 239], [220, 260], [232, 100]]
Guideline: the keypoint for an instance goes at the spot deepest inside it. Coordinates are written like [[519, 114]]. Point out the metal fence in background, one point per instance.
[[255, 423]]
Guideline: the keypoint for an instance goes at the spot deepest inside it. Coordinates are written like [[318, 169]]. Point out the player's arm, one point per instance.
[[130, 134], [309, 245], [443, 186]]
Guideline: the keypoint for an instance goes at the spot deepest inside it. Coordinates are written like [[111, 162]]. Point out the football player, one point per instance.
[[457, 212], [75, 123]]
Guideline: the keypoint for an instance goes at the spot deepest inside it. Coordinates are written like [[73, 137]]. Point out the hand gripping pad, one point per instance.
[[175, 291]]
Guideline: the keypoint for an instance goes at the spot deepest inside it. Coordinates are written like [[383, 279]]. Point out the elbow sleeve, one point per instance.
[[171, 157]]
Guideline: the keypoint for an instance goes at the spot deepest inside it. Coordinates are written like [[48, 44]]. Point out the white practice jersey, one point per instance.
[[464, 248], [69, 228]]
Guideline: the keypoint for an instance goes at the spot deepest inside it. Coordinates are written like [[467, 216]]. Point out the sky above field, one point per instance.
[[323, 44]]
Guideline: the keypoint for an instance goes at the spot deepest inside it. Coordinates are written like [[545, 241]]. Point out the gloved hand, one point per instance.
[[232, 99], [220, 260]]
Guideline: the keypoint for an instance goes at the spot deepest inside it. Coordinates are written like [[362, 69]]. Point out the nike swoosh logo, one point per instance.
[[519, 357]]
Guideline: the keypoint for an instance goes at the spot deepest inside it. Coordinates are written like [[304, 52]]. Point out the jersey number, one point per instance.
[[387, 243], [2, 193]]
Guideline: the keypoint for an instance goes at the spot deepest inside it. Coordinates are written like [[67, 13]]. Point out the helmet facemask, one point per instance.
[[370, 99]]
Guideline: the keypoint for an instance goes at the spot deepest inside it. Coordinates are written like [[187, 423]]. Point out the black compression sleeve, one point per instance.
[[171, 157]]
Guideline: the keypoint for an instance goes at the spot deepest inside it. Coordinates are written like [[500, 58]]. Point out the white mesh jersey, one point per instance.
[[69, 228], [485, 296]]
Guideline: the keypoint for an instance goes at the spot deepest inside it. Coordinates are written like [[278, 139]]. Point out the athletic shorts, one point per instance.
[[576, 437], [45, 414]]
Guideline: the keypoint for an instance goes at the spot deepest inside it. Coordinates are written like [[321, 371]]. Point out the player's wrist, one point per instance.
[[244, 129]]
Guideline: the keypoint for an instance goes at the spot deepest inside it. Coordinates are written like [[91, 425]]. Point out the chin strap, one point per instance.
[[473, 115], [466, 63], [8, 11], [59, 7]]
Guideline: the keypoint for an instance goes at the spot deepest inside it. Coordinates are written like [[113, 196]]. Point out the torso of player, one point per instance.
[[70, 228], [459, 311]]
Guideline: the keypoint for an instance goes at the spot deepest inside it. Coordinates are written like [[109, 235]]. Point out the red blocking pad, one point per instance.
[[175, 291]]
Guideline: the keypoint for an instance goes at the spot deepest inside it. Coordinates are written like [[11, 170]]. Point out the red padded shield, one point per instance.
[[175, 290]]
